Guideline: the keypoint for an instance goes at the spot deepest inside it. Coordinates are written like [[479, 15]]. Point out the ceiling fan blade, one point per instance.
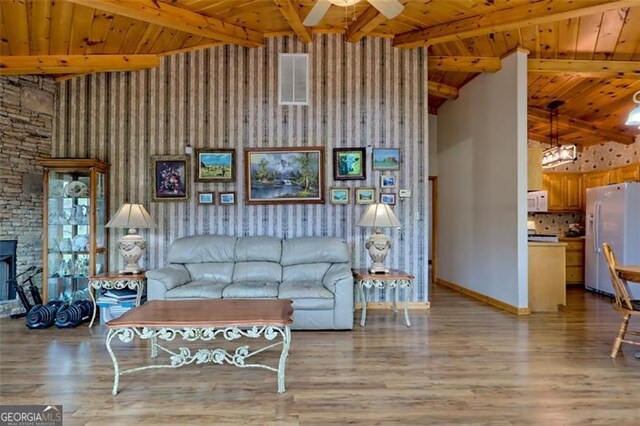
[[389, 8], [317, 13]]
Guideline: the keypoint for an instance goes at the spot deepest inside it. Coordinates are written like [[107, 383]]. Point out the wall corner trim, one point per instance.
[[483, 298]]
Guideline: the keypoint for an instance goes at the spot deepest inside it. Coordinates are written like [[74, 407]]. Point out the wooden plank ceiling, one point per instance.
[[585, 52]]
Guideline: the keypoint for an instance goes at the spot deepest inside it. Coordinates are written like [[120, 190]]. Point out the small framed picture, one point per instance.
[[339, 195], [365, 195], [205, 197], [386, 159], [170, 177], [227, 198], [387, 181], [388, 199], [215, 165], [349, 164]]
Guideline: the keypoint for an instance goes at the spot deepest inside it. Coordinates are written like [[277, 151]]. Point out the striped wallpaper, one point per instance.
[[365, 94]]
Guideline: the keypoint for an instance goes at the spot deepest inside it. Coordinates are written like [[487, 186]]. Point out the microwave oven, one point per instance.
[[538, 201]]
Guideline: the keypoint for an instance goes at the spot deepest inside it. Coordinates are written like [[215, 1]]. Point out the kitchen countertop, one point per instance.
[[546, 244]]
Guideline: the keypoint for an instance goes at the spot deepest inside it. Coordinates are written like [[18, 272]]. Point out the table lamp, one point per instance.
[[132, 245], [379, 216]]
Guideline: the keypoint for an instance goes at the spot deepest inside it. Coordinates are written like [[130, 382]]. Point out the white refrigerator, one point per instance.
[[613, 217]]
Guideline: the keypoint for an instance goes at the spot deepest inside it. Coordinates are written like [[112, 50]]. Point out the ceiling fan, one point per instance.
[[389, 8]]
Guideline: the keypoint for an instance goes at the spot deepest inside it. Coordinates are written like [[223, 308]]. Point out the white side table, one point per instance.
[[394, 279], [117, 281]]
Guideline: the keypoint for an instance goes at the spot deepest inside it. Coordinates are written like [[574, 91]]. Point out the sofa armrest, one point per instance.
[[336, 273], [164, 279]]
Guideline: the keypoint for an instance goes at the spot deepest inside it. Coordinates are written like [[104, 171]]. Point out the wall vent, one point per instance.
[[293, 78]]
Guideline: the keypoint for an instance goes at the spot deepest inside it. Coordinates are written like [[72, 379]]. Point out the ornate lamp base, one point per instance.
[[378, 246], [132, 247]]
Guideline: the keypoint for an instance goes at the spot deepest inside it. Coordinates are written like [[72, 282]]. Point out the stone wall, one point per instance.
[[26, 127]]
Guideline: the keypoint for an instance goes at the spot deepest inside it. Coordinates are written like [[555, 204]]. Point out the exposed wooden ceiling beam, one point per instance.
[[72, 64], [191, 48], [291, 13], [166, 15], [503, 20], [464, 63], [619, 69], [367, 22], [442, 90], [541, 115], [537, 137]]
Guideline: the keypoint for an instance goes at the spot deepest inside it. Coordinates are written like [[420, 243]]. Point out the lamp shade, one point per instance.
[[379, 216], [131, 216], [344, 3], [634, 117]]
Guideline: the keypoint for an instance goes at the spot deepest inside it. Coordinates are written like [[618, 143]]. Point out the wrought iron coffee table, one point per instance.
[[205, 320]]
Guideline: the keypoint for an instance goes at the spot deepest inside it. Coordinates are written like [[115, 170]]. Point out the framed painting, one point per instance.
[[339, 195], [386, 159], [365, 195], [387, 181], [349, 164], [215, 165], [170, 177], [388, 199], [284, 175], [227, 198], [205, 197]]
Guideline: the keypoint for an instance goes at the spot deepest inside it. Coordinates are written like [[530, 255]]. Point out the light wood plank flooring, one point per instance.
[[461, 363]]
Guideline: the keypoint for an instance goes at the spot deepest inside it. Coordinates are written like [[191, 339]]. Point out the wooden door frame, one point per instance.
[[433, 238]]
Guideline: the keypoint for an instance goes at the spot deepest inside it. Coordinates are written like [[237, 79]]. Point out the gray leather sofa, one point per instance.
[[314, 272]]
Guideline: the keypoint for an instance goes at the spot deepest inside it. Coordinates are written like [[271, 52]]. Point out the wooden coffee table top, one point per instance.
[[207, 313]]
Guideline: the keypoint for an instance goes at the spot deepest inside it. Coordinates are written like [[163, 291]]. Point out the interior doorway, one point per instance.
[[433, 226]]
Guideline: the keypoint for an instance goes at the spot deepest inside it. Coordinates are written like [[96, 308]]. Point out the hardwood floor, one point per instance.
[[461, 363]]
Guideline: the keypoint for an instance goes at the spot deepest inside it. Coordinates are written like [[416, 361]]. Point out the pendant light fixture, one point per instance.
[[557, 154], [634, 115]]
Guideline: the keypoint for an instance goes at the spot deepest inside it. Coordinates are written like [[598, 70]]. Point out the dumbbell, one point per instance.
[[43, 316]]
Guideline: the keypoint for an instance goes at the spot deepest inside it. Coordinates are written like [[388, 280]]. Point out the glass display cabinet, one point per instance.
[[74, 217]]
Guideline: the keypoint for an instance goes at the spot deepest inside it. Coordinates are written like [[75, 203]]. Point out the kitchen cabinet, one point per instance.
[[534, 170], [630, 173], [599, 178], [74, 217], [547, 287], [574, 260], [565, 191]]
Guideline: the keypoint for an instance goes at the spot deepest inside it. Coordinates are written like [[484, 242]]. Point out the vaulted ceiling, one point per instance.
[[585, 52]]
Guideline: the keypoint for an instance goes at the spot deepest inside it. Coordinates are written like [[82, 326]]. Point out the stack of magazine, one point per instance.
[[124, 297], [114, 303]]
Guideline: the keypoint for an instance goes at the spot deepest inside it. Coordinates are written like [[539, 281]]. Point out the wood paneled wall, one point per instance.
[[365, 94]]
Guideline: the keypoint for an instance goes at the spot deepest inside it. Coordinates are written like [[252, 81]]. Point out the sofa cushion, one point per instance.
[[307, 272], [168, 277], [298, 251], [257, 271], [202, 249], [216, 272], [258, 249], [251, 290], [197, 290], [306, 294]]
